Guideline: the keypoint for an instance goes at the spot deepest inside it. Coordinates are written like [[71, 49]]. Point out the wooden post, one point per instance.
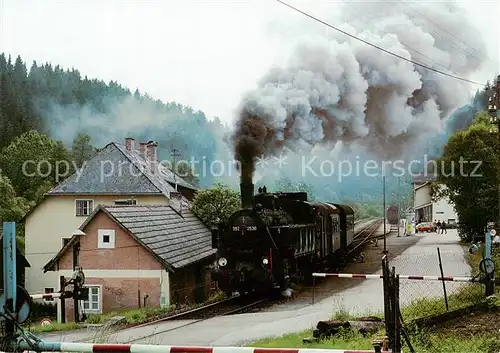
[[397, 323], [75, 284], [405, 334], [62, 287], [442, 276], [387, 306], [392, 308]]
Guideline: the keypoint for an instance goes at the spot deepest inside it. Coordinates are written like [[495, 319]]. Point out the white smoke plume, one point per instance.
[[337, 89]]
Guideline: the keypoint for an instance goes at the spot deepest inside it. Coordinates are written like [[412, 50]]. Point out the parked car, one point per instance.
[[425, 227]]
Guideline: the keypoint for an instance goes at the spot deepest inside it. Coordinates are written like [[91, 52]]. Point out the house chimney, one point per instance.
[[142, 150], [152, 158], [129, 144]]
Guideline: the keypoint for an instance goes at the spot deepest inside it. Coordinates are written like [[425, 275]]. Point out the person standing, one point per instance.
[[443, 228], [438, 228]]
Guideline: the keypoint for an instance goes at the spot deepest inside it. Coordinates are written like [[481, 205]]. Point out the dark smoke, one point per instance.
[[255, 137], [346, 91]]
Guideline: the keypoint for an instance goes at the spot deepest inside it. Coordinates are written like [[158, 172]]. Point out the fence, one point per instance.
[[424, 298], [425, 286]]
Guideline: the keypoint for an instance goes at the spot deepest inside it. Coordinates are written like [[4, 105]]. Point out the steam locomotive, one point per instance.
[[279, 238]]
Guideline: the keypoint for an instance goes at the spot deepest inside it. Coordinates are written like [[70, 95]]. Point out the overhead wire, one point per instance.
[[378, 47], [404, 44], [444, 30]]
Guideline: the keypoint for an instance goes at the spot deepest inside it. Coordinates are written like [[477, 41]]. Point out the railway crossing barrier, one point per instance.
[[145, 348], [15, 305], [401, 277], [58, 295]]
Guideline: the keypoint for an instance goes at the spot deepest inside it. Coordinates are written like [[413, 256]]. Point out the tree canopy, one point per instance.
[[12, 207], [216, 204], [33, 161], [467, 174], [81, 149]]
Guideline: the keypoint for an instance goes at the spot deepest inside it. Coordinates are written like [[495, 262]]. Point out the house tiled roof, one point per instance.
[[114, 170], [176, 238]]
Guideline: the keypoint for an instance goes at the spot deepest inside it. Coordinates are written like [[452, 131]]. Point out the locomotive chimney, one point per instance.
[[246, 195]]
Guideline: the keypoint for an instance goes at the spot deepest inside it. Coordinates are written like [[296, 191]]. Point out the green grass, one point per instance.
[[469, 294], [134, 316], [423, 342], [54, 327], [347, 340], [441, 343]]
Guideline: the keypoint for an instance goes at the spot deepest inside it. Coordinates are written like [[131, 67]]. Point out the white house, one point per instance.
[[427, 210]]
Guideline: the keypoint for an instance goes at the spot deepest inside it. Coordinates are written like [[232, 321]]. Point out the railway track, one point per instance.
[[366, 234], [229, 306]]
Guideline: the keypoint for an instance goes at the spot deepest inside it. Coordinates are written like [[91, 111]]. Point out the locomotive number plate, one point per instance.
[[247, 228]]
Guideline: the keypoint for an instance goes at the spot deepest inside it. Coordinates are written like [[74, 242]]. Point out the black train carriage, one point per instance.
[[346, 224], [277, 238]]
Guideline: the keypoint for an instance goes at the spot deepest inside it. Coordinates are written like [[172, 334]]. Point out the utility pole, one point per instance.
[[385, 215], [399, 207], [494, 111], [175, 153]]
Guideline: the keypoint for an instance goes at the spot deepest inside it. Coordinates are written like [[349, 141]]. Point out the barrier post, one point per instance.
[[314, 288], [387, 306], [62, 287], [9, 276], [442, 277]]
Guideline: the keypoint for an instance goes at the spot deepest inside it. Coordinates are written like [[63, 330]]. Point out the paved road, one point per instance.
[[365, 297]]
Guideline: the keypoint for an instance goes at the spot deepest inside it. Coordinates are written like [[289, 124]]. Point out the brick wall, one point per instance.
[[119, 294], [127, 254], [183, 285]]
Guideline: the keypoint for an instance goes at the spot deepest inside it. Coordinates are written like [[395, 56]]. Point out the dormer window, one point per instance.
[[126, 202]]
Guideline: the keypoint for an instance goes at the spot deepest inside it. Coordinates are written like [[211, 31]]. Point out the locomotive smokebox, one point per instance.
[[246, 190]]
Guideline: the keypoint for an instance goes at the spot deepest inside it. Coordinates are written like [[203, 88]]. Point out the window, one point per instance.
[[47, 291], [93, 303], [64, 241], [84, 207], [106, 238], [126, 202]]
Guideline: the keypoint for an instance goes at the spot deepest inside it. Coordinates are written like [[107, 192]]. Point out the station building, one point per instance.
[[427, 209]]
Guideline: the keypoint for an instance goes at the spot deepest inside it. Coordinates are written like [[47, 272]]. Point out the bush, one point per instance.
[[41, 310]]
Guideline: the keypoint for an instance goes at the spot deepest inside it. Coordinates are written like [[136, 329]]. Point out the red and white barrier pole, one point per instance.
[[402, 277], [46, 295], [145, 348]]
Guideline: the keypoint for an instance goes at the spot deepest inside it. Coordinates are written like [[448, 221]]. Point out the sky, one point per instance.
[[205, 54]]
